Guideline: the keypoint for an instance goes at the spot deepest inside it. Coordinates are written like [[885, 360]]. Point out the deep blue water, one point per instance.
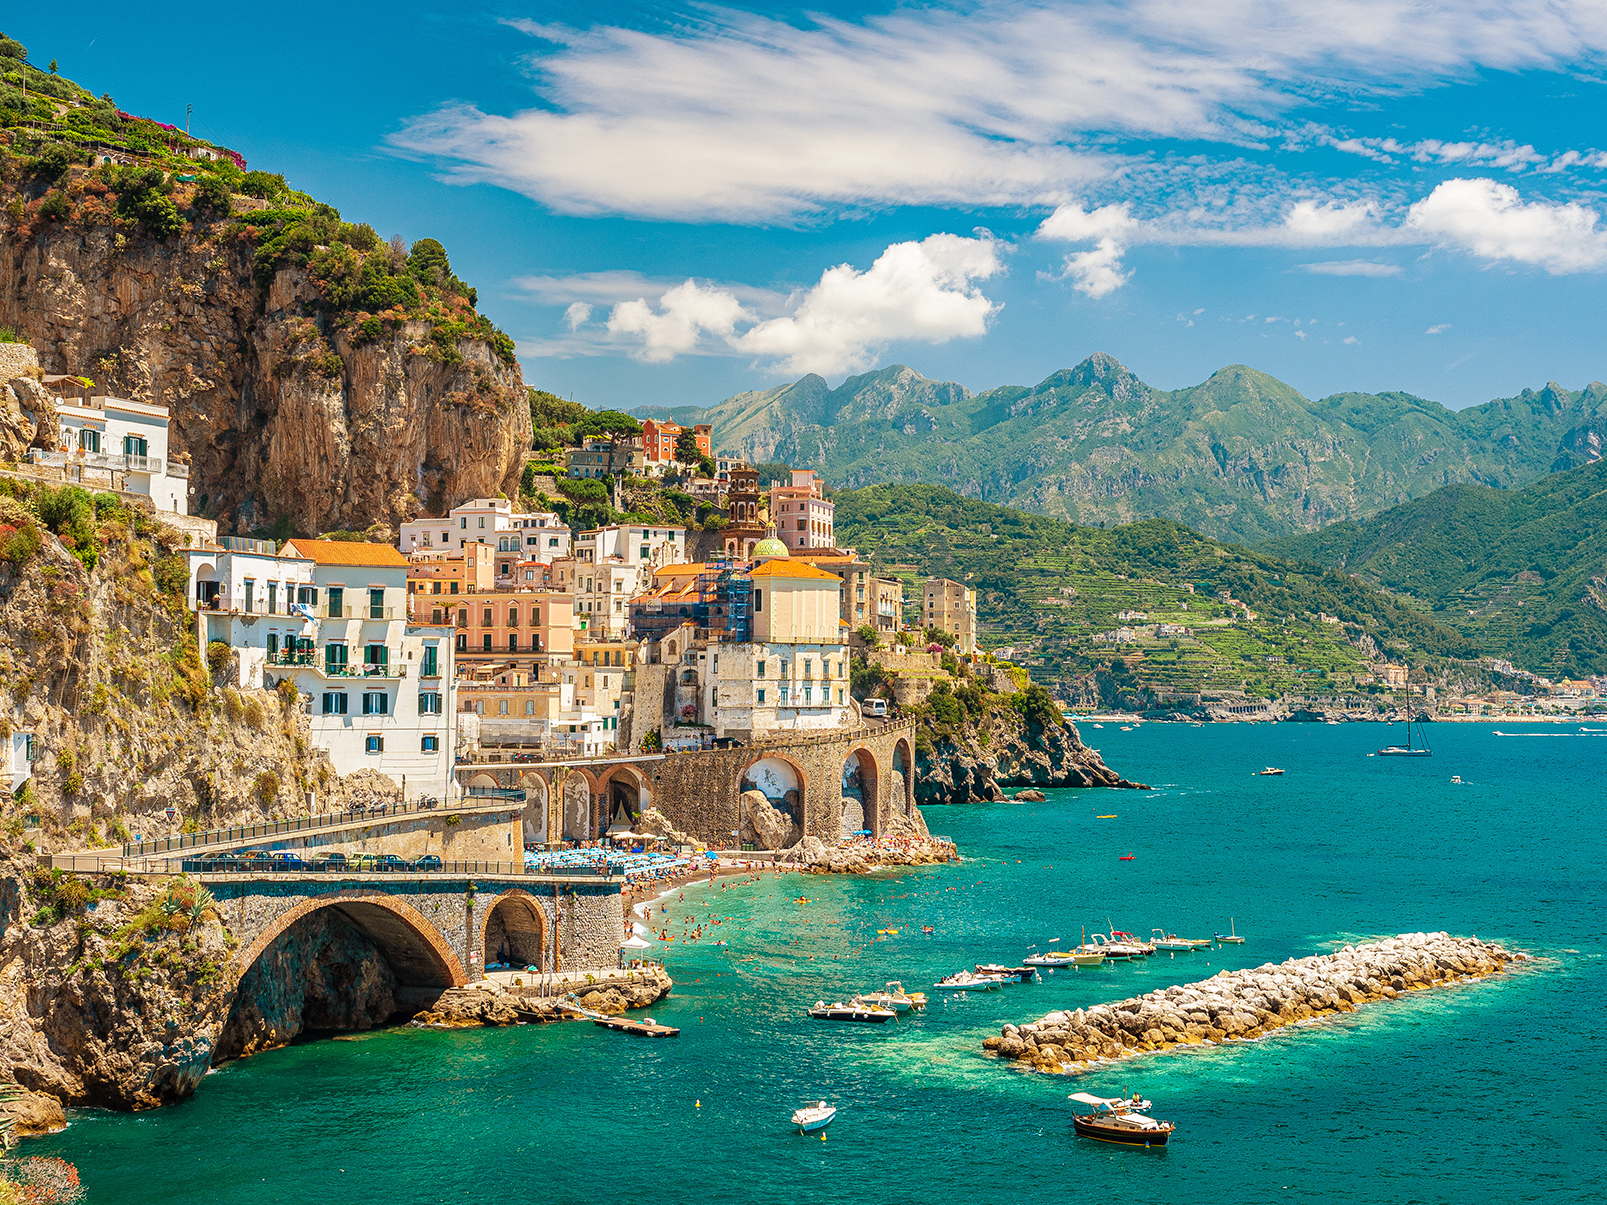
[[1457, 1095]]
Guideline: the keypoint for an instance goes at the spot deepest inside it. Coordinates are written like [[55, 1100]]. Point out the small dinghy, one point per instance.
[[1120, 1121], [857, 1009], [814, 1117], [1231, 938]]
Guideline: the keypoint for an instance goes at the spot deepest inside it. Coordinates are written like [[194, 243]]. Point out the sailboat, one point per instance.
[[1406, 750]]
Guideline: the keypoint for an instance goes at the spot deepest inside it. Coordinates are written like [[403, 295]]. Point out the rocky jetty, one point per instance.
[[905, 842], [489, 1003], [1236, 1005]]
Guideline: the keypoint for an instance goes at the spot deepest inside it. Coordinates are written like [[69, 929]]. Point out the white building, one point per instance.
[[603, 593], [18, 752], [127, 439], [377, 689], [538, 535], [647, 547]]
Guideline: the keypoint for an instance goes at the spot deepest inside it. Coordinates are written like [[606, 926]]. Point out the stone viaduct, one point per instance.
[[436, 930], [833, 783]]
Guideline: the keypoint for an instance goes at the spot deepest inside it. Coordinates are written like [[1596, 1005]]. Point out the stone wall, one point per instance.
[[482, 837]]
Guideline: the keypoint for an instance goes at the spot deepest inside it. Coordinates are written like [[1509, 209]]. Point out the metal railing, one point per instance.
[[101, 460], [362, 611], [240, 834], [494, 792], [362, 865], [311, 659]]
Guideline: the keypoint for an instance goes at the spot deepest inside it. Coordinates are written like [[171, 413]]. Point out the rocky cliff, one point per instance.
[[292, 403], [977, 759]]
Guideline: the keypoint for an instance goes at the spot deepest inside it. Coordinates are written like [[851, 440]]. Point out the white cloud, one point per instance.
[[1439, 328], [1351, 339], [1493, 222], [577, 315], [731, 116], [1351, 267], [1099, 271], [685, 314], [923, 292]]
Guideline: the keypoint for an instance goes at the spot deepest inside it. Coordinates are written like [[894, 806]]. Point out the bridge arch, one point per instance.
[[861, 786], [514, 931], [575, 802], [535, 819], [414, 948], [620, 792], [903, 777], [784, 783]]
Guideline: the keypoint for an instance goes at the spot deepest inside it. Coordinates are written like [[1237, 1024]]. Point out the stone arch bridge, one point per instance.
[[436, 930], [829, 780]]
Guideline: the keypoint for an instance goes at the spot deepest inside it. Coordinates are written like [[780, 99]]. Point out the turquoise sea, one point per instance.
[[1485, 1092]]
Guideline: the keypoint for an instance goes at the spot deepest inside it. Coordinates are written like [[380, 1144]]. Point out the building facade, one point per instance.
[[802, 514], [950, 607], [491, 521], [658, 440], [126, 441]]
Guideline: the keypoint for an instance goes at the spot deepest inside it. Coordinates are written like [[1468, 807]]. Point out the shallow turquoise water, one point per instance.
[[1457, 1095]]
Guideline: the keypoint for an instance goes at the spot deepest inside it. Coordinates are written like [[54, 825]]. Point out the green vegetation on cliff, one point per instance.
[[1046, 586], [1522, 573], [1241, 456]]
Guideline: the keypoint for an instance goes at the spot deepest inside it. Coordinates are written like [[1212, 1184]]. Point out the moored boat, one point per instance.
[[1119, 1121], [857, 1009], [1231, 938], [814, 1117], [967, 981], [1022, 974], [1051, 959], [1162, 940], [895, 998], [1269, 772]]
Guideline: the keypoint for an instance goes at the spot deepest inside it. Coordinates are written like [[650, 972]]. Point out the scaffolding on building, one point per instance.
[[724, 607]]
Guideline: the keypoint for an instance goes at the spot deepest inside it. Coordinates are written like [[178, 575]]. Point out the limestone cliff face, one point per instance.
[[279, 412], [976, 761]]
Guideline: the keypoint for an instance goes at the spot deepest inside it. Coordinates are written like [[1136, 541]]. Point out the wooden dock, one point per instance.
[[646, 1029]]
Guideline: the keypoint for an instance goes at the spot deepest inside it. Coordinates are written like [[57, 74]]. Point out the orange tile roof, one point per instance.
[[340, 552], [792, 569]]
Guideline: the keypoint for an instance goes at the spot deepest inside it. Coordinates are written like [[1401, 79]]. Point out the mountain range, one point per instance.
[[1522, 573], [1241, 456]]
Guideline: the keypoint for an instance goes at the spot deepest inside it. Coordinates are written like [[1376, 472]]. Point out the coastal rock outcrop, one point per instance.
[[492, 1003], [905, 842], [974, 762], [1237, 1005], [765, 825]]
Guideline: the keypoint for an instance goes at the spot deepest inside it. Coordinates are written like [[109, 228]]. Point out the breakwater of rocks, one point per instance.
[[1237, 1005]]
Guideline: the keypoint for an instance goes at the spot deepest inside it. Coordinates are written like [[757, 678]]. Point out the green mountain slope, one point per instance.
[[1241, 456], [1045, 586], [1521, 572]]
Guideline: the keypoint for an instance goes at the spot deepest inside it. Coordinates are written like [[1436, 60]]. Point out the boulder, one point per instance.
[[768, 827], [1030, 796]]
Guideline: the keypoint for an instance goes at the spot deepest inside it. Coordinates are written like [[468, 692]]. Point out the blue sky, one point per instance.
[[666, 204]]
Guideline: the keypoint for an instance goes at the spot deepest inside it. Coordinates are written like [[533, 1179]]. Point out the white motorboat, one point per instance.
[[968, 981], [1119, 1121], [1118, 949], [1161, 940], [1051, 959], [856, 1009], [814, 1117], [896, 998]]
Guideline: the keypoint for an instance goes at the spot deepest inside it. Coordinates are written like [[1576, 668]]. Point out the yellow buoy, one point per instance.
[[699, 1104]]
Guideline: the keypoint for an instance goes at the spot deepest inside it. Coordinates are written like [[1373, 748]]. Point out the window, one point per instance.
[[445, 537], [502, 707], [485, 642], [761, 694], [453, 588], [376, 656], [552, 542], [334, 658], [808, 692], [431, 667], [644, 552], [376, 604], [273, 597], [513, 617], [135, 445], [374, 744], [463, 524], [485, 617], [273, 644], [463, 643], [435, 587], [429, 744], [482, 522], [376, 702], [337, 602], [513, 642], [307, 594], [334, 703], [429, 702], [250, 588], [435, 615], [758, 600], [89, 440], [530, 707], [801, 523], [761, 669]]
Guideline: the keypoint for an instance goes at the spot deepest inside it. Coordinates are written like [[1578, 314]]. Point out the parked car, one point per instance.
[[391, 862], [360, 861], [428, 862], [875, 707], [283, 862], [332, 861]]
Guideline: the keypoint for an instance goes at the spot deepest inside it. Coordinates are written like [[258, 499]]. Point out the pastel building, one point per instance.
[[124, 440], [801, 513], [492, 521]]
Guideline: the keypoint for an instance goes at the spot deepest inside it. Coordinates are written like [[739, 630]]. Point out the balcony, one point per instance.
[[116, 461], [318, 659], [358, 612]]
